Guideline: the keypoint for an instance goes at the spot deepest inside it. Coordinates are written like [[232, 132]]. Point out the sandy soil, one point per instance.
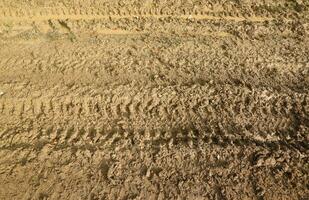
[[154, 99]]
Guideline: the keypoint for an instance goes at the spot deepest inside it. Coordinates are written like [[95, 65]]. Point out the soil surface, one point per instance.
[[154, 99]]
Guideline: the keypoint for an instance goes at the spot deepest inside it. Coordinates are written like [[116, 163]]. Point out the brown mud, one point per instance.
[[154, 99]]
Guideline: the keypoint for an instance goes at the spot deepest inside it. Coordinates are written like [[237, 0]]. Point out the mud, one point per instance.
[[154, 99]]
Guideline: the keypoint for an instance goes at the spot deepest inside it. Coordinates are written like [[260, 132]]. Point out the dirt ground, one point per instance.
[[154, 99]]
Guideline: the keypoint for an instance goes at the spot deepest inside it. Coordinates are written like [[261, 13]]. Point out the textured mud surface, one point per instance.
[[154, 99]]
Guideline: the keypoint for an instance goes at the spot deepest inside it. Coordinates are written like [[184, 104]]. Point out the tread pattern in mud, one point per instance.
[[229, 111], [154, 99]]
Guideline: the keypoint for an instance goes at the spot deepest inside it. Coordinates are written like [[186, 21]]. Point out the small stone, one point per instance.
[[191, 144], [1, 93], [148, 173]]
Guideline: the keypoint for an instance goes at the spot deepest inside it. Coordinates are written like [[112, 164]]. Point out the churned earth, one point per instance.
[[154, 99]]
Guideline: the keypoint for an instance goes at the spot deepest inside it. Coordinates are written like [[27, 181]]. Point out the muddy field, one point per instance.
[[154, 99]]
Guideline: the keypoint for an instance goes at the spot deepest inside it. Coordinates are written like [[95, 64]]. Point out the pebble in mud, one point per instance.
[[1, 93]]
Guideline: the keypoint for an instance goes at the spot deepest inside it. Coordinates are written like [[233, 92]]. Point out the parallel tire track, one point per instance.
[[96, 137], [175, 112], [90, 14], [227, 111], [137, 101]]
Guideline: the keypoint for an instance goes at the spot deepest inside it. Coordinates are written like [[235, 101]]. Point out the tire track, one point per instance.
[[266, 73], [178, 112], [127, 108], [96, 137], [71, 14], [127, 103]]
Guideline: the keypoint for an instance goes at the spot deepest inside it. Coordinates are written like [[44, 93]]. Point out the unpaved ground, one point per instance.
[[154, 99]]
